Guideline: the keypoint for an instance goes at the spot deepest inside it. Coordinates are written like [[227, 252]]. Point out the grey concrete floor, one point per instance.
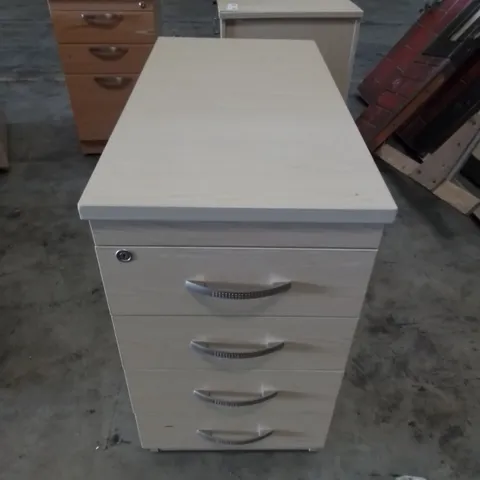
[[410, 398]]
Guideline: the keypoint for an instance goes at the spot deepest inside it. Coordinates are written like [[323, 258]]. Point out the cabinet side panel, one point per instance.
[[334, 39]]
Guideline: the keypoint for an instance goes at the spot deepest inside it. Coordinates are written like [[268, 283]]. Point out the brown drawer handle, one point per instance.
[[108, 53], [113, 82], [214, 437], [102, 19]]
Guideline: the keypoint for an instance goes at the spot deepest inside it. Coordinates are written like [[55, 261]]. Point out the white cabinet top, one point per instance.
[[236, 130], [288, 8]]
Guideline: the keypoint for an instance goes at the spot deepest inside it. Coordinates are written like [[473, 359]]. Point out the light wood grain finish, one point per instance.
[[324, 282], [164, 342], [124, 27], [103, 59], [249, 174], [289, 9], [458, 197], [450, 158], [275, 151], [336, 39], [96, 105], [168, 414], [333, 24], [101, 5], [107, 233]]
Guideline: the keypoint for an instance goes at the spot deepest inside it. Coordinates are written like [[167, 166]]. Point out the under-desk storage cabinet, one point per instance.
[[333, 24], [236, 254]]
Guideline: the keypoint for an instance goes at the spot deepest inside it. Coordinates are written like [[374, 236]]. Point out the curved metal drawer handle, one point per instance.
[[207, 396], [202, 288], [205, 349], [210, 435], [102, 19], [108, 53], [113, 82]]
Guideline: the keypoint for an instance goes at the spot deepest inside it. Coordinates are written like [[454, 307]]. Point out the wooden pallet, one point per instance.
[[439, 172]]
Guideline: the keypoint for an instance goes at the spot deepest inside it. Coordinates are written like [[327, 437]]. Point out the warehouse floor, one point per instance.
[[409, 403]]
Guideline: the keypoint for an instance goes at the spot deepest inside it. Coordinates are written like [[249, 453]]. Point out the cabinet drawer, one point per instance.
[[103, 27], [101, 5], [104, 59], [97, 102], [255, 281], [171, 407], [234, 343]]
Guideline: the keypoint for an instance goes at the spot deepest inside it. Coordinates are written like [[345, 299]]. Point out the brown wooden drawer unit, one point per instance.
[[102, 5], [106, 59], [103, 46], [98, 101], [104, 27]]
